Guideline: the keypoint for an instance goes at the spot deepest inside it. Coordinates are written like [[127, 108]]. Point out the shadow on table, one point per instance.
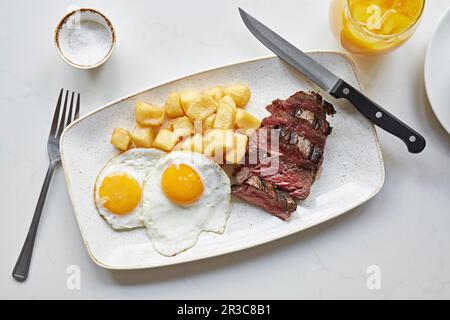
[[264, 251]]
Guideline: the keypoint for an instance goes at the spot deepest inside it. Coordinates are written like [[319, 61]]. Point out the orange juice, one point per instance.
[[374, 26]]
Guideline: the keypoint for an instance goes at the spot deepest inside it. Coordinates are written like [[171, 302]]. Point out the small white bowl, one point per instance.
[[85, 38]]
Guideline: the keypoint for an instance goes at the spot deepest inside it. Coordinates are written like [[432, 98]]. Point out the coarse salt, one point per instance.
[[85, 42]]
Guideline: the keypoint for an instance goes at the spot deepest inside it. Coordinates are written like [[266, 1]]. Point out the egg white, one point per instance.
[[136, 163], [174, 228]]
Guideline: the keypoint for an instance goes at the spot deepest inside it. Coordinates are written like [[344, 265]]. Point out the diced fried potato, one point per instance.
[[186, 99], [225, 117], [194, 143], [197, 143], [173, 106], [208, 123], [245, 120], [148, 115], [182, 126], [121, 139], [186, 144], [228, 100], [201, 108], [216, 93], [165, 140], [237, 153], [216, 142], [240, 94], [198, 126], [142, 137], [165, 125]]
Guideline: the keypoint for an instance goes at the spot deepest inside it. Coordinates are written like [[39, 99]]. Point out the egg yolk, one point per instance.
[[181, 184], [120, 193]]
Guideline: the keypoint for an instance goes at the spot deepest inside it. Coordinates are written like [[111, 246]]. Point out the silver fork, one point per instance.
[[60, 121]]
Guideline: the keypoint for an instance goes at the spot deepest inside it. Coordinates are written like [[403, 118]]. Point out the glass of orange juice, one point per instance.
[[374, 26]]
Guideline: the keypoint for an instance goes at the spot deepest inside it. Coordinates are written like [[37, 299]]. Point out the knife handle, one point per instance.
[[413, 140]]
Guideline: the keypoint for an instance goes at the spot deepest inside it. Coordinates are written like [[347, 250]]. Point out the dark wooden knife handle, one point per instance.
[[382, 118]]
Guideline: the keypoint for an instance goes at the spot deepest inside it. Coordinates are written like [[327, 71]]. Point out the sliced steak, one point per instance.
[[265, 195], [301, 130], [299, 126], [289, 178], [310, 108], [305, 101], [294, 149]]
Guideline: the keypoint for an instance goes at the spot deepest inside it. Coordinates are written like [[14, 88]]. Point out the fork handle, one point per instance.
[[20, 272]]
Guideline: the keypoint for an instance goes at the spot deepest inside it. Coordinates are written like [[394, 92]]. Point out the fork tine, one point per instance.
[[63, 116], [69, 115], [56, 114], [77, 109]]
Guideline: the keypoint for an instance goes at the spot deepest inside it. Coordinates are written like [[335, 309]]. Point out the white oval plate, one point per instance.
[[437, 71], [352, 173]]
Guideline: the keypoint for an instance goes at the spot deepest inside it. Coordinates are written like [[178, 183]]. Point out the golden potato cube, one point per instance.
[[121, 139], [236, 154], [225, 117], [148, 115], [201, 108], [182, 126], [142, 137], [194, 143], [240, 94], [216, 142], [186, 99], [245, 120], [216, 93], [197, 143], [228, 100], [208, 123], [186, 144], [165, 140], [198, 126], [173, 106]]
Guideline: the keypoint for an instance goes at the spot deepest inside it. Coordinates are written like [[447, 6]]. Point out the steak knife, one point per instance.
[[332, 84]]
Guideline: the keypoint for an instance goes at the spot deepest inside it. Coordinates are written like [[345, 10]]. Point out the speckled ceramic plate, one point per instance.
[[352, 173]]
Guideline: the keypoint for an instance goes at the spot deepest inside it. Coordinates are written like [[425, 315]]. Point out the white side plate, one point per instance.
[[352, 173], [437, 71]]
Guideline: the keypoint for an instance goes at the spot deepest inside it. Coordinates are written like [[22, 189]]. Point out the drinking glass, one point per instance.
[[372, 27]]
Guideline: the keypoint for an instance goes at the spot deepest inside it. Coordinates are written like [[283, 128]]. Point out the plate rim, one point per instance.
[[427, 75], [223, 251]]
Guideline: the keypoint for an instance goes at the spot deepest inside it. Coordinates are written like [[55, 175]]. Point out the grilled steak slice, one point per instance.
[[309, 108], [294, 149], [303, 128], [308, 149], [289, 178], [301, 131], [306, 101], [298, 126], [265, 195]]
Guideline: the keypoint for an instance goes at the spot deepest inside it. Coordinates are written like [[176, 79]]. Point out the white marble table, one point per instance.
[[404, 230]]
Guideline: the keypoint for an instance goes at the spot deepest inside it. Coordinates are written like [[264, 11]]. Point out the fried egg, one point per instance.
[[185, 194], [118, 188]]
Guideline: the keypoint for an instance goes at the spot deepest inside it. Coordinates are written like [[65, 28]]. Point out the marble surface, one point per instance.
[[401, 236]]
